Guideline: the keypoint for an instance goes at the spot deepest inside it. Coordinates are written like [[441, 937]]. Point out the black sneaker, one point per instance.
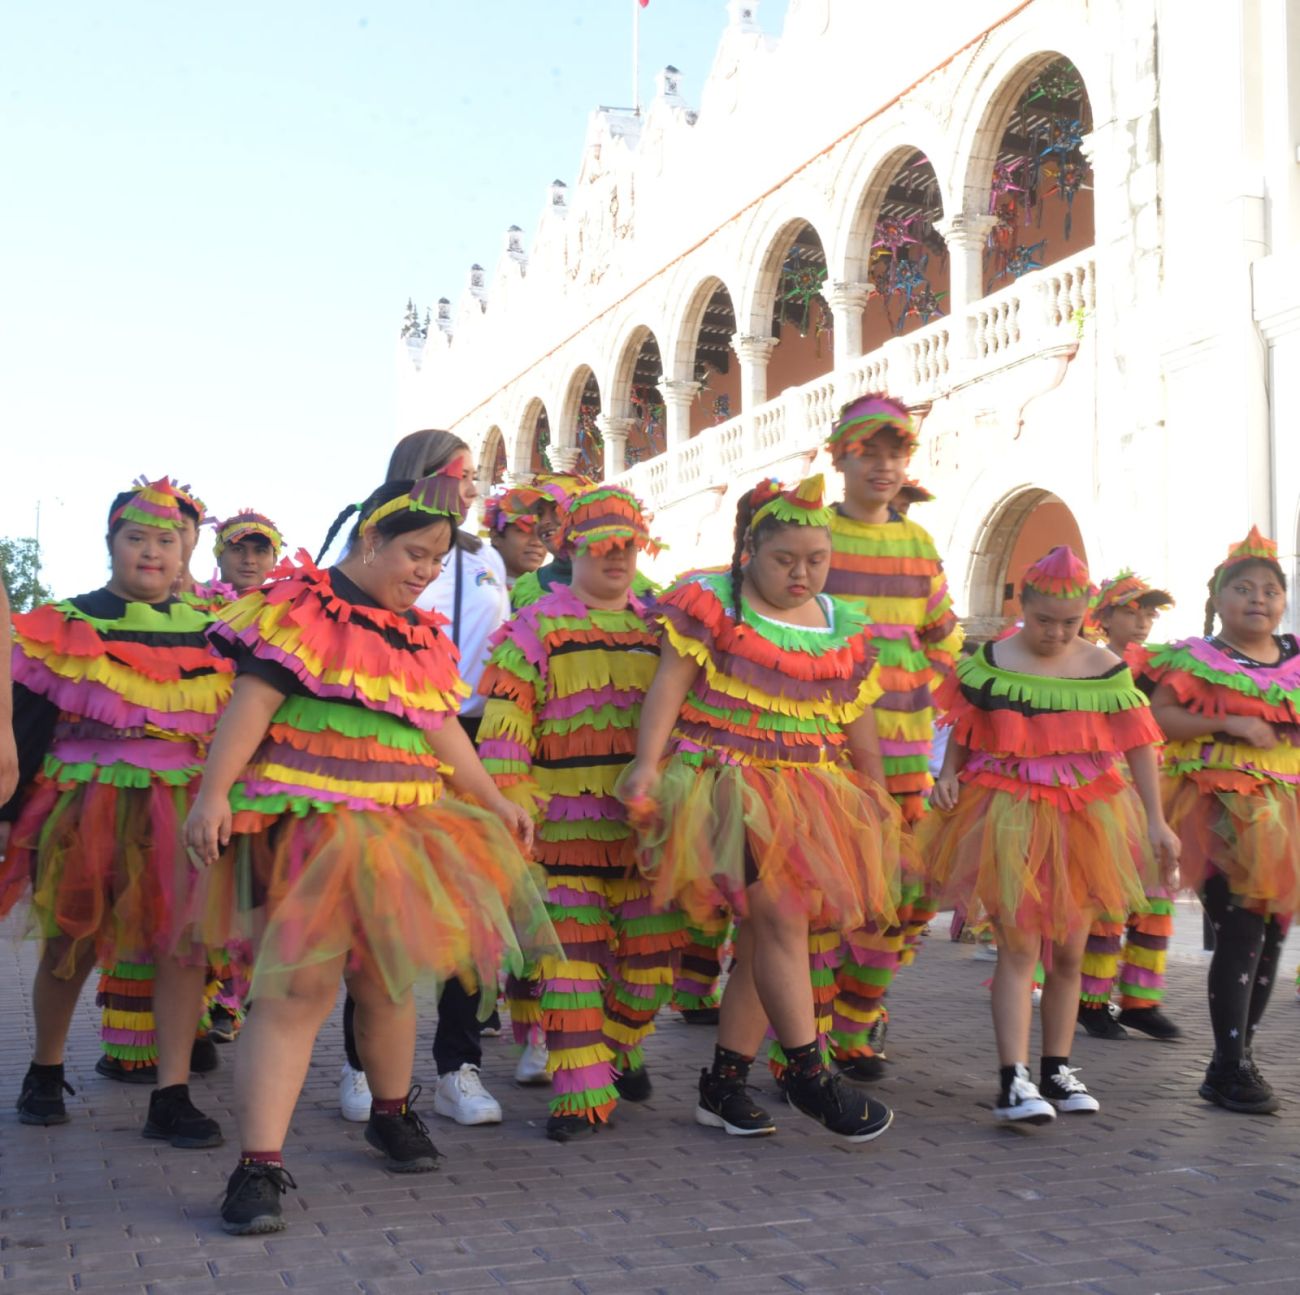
[[403, 1139], [1238, 1087], [700, 1015], [252, 1203], [203, 1057], [862, 1070], [1150, 1021], [726, 1104], [634, 1085], [570, 1128], [1259, 1079], [1100, 1022], [41, 1099], [174, 1118], [112, 1068], [223, 1029], [832, 1103]]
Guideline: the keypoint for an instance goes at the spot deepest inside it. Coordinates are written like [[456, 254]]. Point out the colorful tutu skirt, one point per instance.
[[1035, 865], [406, 895], [820, 839], [106, 869], [1251, 836]]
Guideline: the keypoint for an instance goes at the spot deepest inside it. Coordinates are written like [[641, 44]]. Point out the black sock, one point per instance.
[[47, 1072], [805, 1063], [1050, 1066], [729, 1066], [172, 1090], [1006, 1076], [1239, 941]]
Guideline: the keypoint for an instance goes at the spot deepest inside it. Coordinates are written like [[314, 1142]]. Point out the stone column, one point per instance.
[[679, 396], [615, 432], [564, 458], [846, 301], [966, 234], [753, 350]]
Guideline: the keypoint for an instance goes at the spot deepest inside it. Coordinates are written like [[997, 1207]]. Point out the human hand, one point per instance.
[[518, 820], [207, 828], [1167, 847], [1252, 731], [946, 791]]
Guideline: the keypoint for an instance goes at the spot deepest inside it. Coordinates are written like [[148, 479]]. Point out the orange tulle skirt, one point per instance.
[[106, 869], [1035, 865], [1252, 837], [405, 895], [823, 840]]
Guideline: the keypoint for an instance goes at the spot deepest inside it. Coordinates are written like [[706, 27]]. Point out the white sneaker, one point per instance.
[[532, 1065], [460, 1096], [1023, 1103], [354, 1095], [1068, 1094], [985, 953]]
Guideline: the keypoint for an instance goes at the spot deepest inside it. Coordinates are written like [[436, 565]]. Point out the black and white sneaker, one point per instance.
[[1022, 1103], [403, 1139], [726, 1104], [838, 1106], [1067, 1093], [252, 1203]]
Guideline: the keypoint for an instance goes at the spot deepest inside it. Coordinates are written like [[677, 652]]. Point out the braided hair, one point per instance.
[[1231, 572], [389, 527]]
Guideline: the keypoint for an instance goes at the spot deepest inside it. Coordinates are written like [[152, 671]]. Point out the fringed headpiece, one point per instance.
[[913, 492], [438, 495], [154, 503], [561, 487], [863, 418], [1060, 574], [186, 495], [602, 517], [804, 505], [1254, 547], [243, 524], [1125, 590], [516, 507]]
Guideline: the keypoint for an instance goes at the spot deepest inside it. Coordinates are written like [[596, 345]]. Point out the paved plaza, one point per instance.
[[1159, 1193]]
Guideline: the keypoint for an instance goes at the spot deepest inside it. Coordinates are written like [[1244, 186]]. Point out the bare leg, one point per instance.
[[779, 960], [177, 1006], [54, 1000], [742, 1022], [1060, 1008], [1012, 982], [385, 1035], [274, 1052]]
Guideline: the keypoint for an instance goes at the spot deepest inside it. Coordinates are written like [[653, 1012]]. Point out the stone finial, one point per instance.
[[668, 87], [743, 15], [559, 197], [443, 317], [515, 244]]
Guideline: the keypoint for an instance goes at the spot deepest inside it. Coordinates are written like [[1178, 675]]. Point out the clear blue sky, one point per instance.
[[214, 214]]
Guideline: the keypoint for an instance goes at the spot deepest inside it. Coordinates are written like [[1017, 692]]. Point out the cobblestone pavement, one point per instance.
[[1159, 1193]]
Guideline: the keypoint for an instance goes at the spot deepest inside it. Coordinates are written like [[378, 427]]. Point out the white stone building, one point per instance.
[[1068, 231]]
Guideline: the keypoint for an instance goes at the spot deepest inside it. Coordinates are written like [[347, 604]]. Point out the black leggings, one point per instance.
[[1242, 970], [456, 1041]]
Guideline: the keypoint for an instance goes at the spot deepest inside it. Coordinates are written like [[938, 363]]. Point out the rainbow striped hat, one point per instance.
[[243, 524], [154, 503], [863, 418], [603, 517]]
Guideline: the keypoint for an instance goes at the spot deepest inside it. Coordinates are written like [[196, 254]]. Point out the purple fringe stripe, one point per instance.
[[584, 1079], [98, 702], [143, 752], [1141, 976]]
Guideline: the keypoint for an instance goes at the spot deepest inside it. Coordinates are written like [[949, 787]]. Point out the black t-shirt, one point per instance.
[[1287, 647]]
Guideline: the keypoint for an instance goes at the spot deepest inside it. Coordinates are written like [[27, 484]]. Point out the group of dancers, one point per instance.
[[440, 759]]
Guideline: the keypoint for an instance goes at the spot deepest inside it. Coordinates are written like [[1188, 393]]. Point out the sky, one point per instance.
[[213, 216]]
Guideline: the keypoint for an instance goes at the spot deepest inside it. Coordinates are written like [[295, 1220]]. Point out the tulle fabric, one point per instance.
[[823, 841], [1252, 837], [1028, 863], [416, 895], [106, 868]]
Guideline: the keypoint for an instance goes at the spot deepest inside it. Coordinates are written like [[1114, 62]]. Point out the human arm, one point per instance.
[[452, 746], [940, 631], [1182, 725], [946, 786], [659, 713], [240, 731], [8, 747], [1146, 779], [864, 746]]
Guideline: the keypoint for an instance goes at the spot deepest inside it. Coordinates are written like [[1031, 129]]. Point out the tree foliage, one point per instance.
[[20, 569]]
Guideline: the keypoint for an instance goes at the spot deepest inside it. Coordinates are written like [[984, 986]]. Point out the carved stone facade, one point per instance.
[[1118, 365]]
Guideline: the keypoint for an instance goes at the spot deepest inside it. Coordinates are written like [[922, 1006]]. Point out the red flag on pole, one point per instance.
[[645, 4]]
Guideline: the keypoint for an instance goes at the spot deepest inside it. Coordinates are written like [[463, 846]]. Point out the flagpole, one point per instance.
[[636, 57]]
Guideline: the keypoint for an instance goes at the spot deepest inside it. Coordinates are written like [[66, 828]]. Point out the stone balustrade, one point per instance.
[[1042, 311]]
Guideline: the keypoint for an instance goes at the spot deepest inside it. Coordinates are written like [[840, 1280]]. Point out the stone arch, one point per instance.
[[759, 293], [578, 429], [532, 439], [998, 556], [636, 394], [493, 460], [684, 335]]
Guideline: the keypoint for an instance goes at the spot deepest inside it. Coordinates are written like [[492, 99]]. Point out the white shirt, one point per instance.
[[484, 605]]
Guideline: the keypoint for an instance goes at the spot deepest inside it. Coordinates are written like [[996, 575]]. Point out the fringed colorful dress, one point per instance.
[[116, 701], [1046, 830], [565, 685], [1236, 808], [892, 570], [343, 820], [756, 788]]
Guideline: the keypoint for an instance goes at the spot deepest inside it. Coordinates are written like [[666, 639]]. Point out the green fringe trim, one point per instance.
[[556, 1002], [130, 970], [599, 718], [1106, 696], [143, 1054], [847, 621], [583, 829], [881, 976], [144, 618], [900, 539], [508, 656], [632, 1059], [118, 774], [312, 715], [581, 1103], [1173, 656], [772, 721], [1141, 991], [685, 1002], [621, 621]]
